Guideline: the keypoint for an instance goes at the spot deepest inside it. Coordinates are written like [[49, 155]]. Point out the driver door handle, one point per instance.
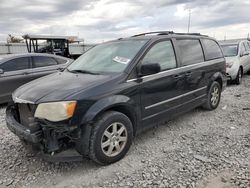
[[177, 76], [25, 73]]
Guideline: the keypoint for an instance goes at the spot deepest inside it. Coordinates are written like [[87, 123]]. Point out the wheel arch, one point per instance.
[[218, 77], [119, 103]]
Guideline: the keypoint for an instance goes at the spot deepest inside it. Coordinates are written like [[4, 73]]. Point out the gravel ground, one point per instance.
[[203, 149]]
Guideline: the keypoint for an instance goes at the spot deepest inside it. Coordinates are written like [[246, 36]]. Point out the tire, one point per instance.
[[238, 78], [23, 142], [213, 97], [248, 72], [104, 139]]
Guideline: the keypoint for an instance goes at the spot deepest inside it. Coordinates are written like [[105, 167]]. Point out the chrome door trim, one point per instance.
[[178, 70], [151, 116], [175, 98]]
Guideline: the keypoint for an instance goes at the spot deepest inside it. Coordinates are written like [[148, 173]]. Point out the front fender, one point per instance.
[[106, 103]]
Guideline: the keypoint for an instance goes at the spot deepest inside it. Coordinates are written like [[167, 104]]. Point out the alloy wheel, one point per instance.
[[215, 96], [114, 139]]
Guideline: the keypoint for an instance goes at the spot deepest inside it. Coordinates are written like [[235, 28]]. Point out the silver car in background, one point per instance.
[[18, 69], [237, 56]]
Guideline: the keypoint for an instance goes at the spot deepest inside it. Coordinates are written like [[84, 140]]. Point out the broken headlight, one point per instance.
[[56, 111]]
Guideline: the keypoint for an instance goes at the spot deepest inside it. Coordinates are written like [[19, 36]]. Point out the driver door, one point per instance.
[[158, 90]]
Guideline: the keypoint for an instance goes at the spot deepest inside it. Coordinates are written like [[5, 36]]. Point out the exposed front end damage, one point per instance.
[[55, 141]]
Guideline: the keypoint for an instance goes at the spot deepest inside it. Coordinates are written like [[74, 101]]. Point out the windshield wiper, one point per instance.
[[83, 71]]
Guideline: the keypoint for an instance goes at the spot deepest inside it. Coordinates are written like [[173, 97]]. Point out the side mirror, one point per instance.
[[244, 54], [1, 71], [149, 69]]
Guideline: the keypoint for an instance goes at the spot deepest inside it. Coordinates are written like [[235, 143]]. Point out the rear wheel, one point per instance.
[[213, 97], [238, 78], [111, 138]]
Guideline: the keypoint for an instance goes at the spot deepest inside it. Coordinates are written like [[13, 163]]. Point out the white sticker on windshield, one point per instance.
[[122, 60]]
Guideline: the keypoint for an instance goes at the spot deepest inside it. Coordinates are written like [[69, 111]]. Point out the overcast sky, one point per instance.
[[101, 20]]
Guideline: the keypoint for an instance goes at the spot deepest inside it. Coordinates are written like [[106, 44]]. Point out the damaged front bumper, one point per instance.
[[55, 142], [20, 130]]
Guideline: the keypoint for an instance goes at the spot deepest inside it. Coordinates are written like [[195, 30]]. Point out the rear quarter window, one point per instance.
[[212, 49], [190, 51], [43, 61], [61, 61]]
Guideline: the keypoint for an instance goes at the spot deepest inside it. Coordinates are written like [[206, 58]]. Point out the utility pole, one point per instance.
[[189, 19]]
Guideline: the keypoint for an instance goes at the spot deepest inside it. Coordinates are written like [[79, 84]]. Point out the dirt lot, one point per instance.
[[199, 149]]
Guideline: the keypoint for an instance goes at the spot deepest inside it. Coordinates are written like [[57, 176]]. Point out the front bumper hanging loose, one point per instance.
[[39, 138]]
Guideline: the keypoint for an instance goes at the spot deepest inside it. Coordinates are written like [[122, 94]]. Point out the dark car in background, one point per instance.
[[114, 91], [18, 69]]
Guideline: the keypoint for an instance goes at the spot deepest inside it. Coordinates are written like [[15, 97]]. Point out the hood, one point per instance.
[[57, 86]]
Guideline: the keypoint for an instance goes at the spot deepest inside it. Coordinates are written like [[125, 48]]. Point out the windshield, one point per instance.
[[230, 50], [112, 57]]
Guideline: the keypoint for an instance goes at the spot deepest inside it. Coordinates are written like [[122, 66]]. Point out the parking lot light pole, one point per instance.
[[189, 19]]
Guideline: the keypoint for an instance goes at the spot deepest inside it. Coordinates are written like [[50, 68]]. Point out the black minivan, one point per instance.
[[115, 90]]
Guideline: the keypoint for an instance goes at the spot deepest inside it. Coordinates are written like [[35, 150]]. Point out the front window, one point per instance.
[[230, 50], [112, 57], [162, 53], [16, 64]]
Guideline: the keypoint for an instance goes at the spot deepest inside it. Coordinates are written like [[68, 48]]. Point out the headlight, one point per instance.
[[55, 111], [229, 64]]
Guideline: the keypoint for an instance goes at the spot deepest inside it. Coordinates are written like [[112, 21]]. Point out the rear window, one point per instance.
[[42, 61], [213, 50], [191, 51], [16, 64]]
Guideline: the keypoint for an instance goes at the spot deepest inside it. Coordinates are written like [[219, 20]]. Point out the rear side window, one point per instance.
[[20, 63], [163, 54], [191, 51], [61, 61], [213, 50], [42, 61]]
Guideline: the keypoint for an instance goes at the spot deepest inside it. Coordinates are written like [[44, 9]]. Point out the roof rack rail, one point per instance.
[[154, 32], [167, 33], [198, 34]]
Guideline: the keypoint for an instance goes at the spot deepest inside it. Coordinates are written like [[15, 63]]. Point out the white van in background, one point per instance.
[[237, 56]]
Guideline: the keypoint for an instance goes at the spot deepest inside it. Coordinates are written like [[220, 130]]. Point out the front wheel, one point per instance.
[[111, 138], [213, 97], [238, 78]]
